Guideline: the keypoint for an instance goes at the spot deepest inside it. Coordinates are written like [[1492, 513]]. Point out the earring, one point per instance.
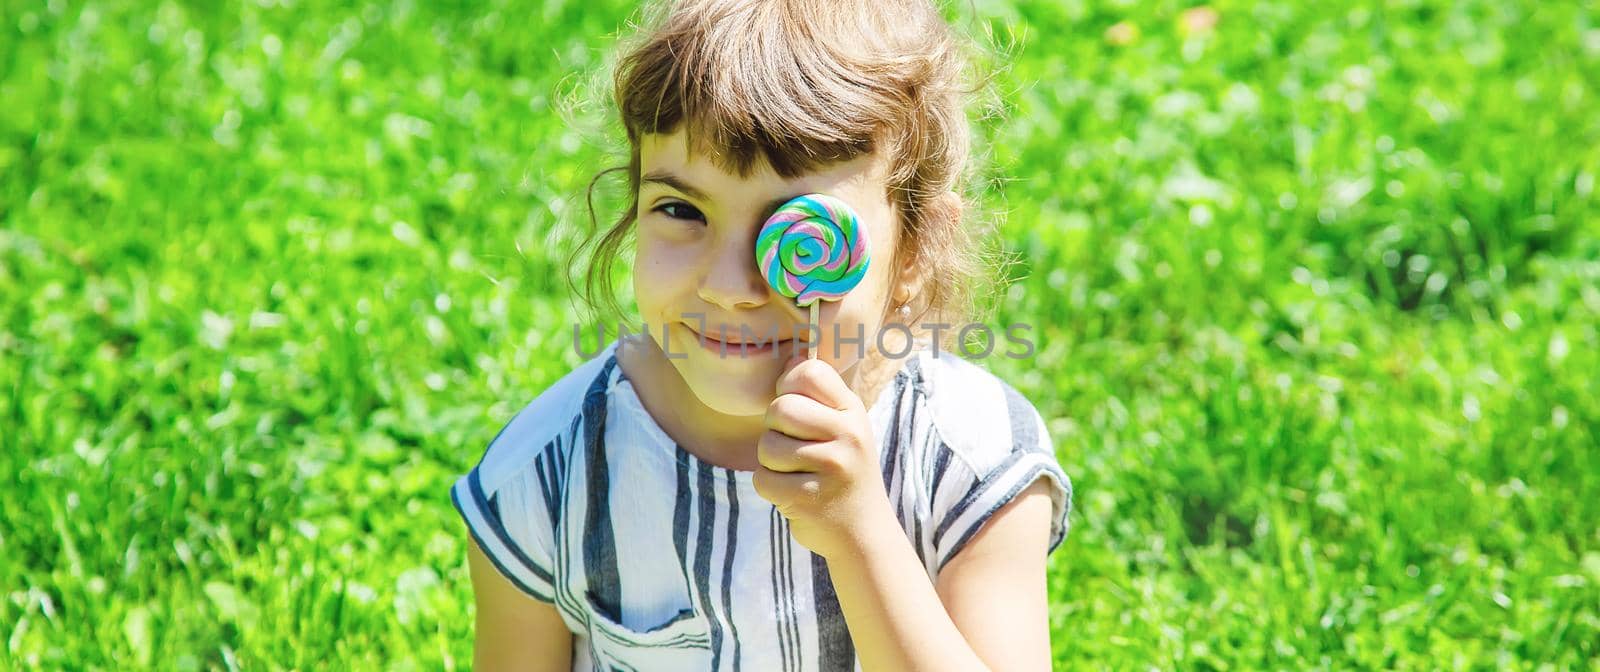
[[904, 310]]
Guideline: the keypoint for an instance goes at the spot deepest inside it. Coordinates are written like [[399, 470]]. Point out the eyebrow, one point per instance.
[[669, 179]]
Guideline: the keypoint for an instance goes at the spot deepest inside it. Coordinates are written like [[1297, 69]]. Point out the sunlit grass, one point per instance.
[[1316, 289]]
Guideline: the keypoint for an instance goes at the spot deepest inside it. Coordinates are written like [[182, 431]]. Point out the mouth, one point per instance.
[[741, 348]]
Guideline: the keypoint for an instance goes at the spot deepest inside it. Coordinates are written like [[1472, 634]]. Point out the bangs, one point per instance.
[[751, 80]]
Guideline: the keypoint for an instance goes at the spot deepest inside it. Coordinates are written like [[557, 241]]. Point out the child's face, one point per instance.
[[696, 254]]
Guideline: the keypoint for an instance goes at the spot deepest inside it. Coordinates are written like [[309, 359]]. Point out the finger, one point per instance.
[[780, 452], [787, 490], [803, 418], [818, 380]]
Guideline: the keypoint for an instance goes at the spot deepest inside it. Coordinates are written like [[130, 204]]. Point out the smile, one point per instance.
[[753, 348]]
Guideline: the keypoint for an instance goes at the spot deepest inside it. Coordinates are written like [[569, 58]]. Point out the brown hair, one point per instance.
[[803, 84]]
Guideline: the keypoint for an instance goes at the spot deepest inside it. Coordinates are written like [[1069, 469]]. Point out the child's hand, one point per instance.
[[819, 461]]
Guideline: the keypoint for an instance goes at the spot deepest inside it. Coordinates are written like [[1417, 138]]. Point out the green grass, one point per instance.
[[1317, 295]]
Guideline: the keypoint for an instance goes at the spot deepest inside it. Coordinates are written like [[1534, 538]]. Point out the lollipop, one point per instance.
[[813, 248]]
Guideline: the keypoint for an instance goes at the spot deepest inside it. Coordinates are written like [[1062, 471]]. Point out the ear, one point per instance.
[[913, 272]]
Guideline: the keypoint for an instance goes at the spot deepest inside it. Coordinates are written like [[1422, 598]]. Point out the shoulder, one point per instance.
[[980, 418], [988, 443], [511, 500], [547, 422]]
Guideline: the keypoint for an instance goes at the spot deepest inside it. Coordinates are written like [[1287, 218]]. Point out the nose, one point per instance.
[[731, 280]]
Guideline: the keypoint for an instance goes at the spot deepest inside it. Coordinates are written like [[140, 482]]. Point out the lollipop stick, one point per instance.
[[811, 352]]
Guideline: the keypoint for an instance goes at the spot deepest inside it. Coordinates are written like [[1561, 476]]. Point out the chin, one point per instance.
[[720, 392]]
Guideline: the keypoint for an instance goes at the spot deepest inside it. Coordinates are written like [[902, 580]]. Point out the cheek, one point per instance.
[[863, 304], [660, 270], [883, 240], [874, 288]]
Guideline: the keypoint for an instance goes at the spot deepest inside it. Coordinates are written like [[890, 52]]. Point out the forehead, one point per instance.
[[861, 180]]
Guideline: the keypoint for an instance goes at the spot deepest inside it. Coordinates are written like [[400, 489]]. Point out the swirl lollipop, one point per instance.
[[813, 248]]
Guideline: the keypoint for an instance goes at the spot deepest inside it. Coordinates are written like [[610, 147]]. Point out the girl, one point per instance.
[[693, 499]]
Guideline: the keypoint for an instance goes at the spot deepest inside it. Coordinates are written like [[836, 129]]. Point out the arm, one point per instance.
[[996, 589], [514, 630], [989, 610], [820, 467]]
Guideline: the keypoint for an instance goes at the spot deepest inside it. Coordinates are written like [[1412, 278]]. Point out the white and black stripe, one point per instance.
[[599, 539], [782, 574], [836, 652]]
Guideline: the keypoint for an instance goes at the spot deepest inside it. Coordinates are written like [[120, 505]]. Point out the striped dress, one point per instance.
[[657, 560]]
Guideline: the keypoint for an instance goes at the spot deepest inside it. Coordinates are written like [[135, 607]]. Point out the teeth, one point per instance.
[[741, 343]]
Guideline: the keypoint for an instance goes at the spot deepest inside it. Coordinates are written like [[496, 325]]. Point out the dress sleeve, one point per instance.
[[507, 502], [978, 482]]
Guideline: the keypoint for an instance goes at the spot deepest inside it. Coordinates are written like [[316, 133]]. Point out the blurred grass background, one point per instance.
[[1316, 289]]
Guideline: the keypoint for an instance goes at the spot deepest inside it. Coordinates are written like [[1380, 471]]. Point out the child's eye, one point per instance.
[[679, 211]]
